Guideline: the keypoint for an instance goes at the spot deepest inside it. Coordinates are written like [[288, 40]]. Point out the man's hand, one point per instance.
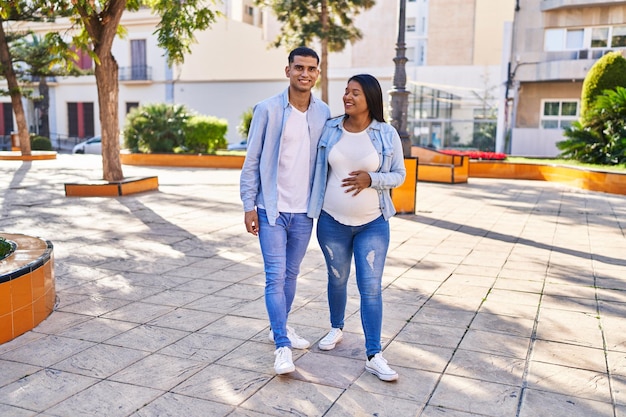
[[251, 218]]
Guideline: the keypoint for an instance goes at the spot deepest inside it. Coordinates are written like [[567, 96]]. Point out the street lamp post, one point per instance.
[[399, 96]]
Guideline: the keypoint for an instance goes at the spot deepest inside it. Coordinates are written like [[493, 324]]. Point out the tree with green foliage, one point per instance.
[[21, 11], [607, 73], [100, 21], [329, 21]]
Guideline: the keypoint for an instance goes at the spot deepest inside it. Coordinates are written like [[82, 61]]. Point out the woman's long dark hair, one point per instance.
[[373, 95]]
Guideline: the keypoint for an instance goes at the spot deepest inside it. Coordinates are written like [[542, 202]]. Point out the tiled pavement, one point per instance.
[[502, 298]]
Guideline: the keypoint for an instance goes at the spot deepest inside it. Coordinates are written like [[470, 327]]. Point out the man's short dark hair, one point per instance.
[[303, 51]]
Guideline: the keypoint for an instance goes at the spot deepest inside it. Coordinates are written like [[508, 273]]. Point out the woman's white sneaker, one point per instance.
[[378, 366], [283, 364], [331, 339], [296, 341]]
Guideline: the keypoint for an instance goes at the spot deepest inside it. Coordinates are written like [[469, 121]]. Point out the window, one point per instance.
[[83, 60], [558, 113], [602, 37], [553, 40], [6, 119], [574, 38], [599, 37], [139, 68], [618, 39], [410, 25], [80, 120], [131, 105]]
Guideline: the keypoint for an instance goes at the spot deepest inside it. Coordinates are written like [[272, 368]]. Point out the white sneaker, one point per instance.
[[296, 341], [331, 339], [283, 364], [378, 366]]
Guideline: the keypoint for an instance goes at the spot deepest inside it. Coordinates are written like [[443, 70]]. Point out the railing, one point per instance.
[[135, 73], [5, 142]]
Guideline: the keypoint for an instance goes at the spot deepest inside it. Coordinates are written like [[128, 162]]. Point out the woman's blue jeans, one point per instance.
[[369, 244], [283, 246]]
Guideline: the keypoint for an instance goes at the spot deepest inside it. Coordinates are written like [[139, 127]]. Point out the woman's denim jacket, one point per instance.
[[390, 174], [259, 174]]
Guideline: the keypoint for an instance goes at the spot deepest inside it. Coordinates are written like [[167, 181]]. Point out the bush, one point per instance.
[[205, 134], [607, 73], [40, 143], [155, 128], [244, 125], [602, 138]]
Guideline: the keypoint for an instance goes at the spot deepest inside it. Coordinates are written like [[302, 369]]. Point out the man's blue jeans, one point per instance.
[[369, 244], [283, 246]]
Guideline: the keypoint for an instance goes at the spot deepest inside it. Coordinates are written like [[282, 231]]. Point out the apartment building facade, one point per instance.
[[555, 43], [454, 51]]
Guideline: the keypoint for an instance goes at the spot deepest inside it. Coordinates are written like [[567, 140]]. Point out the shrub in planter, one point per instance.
[[205, 134], [40, 143], [155, 128]]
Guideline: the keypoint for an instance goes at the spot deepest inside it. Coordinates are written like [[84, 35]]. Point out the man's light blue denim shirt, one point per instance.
[[390, 174], [259, 174]]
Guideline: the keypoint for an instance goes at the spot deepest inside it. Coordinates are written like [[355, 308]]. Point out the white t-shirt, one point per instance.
[[353, 152], [293, 164]]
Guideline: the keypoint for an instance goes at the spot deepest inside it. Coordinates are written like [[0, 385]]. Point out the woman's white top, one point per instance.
[[353, 152]]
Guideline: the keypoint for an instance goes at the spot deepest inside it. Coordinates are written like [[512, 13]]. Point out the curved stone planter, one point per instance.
[[27, 293]]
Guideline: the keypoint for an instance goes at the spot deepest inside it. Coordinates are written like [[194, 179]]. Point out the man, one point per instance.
[[275, 188]]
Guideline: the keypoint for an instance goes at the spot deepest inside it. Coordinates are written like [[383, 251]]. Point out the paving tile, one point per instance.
[[43, 389], [444, 317], [569, 381], [173, 405], [222, 384], [107, 398], [432, 335], [202, 347], [496, 343], [487, 367], [416, 356], [287, 397], [538, 403], [355, 402], [329, 370], [13, 371], [46, 351], [498, 323], [158, 371], [147, 338], [100, 361], [185, 319], [97, 329], [573, 356], [475, 396]]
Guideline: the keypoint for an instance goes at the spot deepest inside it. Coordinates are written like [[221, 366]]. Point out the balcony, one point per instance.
[[560, 65], [135, 73], [547, 5]]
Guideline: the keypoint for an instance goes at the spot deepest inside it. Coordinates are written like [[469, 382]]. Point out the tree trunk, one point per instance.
[[324, 57], [14, 92], [108, 91], [44, 107]]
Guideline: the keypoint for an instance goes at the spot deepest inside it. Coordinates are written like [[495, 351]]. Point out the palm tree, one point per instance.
[[42, 58]]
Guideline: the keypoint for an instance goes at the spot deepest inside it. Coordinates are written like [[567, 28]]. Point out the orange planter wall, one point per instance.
[[176, 160], [608, 182]]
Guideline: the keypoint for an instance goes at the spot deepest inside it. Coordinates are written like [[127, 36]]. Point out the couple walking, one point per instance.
[[301, 165]]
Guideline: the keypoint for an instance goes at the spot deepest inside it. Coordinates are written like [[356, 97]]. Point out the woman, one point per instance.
[[359, 159]]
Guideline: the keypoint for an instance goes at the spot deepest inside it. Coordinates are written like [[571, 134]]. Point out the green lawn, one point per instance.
[[568, 162]]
